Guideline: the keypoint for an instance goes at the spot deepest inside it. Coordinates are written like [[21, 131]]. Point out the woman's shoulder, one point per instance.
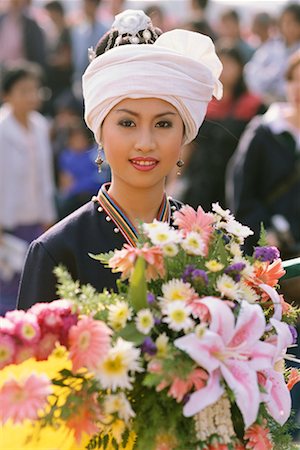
[[80, 221]]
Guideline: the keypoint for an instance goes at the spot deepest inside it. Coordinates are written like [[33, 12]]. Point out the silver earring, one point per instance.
[[99, 160], [179, 164]]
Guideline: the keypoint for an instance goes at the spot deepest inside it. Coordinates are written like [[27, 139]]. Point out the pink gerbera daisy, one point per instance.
[[7, 350], [20, 400], [89, 343], [188, 220]]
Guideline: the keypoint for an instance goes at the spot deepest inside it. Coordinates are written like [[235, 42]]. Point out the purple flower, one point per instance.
[[293, 333], [200, 276], [234, 270], [148, 346], [157, 321], [150, 298], [186, 276], [266, 253]]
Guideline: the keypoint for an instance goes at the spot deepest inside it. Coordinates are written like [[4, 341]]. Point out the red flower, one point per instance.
[[258, 438]]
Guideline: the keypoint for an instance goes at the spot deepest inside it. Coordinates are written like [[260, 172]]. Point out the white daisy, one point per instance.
[[194, 244], [235, 249], [237, 229], [170, 249], [176, 289], [163, 235], [178, 316], [247, 293], [214, 266], [144, 321], [227, 287], [118, 403], [118, 314], [114, 370], [224, 213]]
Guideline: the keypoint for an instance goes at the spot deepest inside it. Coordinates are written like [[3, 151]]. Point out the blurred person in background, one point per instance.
[[20, 35], [78, 176], [26, 183], [59, 52], [86, 34], [198, 9], [263, 184], [265, 71], [229, 30], [109, 9], [158, 17], [203, 180], [197, 20]]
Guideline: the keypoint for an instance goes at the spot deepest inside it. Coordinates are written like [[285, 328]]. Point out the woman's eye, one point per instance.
[[164, 124], [127, 123]]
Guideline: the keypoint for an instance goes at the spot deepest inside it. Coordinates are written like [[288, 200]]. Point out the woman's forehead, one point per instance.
[[145, 104]]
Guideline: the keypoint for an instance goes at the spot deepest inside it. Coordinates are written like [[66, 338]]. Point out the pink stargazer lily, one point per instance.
[[278, 398], [230, 350]]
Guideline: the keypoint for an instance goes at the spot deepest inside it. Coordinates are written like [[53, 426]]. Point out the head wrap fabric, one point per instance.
[[181, 67]]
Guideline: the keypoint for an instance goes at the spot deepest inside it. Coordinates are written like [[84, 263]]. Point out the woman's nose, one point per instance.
[[145, 141]]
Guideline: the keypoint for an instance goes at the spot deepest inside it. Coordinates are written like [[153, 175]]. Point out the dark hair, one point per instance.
[[294, 61], [80, 127], [202, 3], [234, 53], [231, 14], [109, 39], [12, 75], [200, 26], [55, 6], [294, 9]]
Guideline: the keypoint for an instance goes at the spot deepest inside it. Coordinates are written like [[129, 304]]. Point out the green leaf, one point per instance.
[[137, 291], [262, 236], [102, 257], [130, 333]]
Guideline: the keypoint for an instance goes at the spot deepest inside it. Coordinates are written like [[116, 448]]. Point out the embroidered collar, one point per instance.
[[123, 224]]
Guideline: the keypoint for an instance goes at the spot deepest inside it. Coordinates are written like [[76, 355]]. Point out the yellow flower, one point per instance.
[[162, 345], [214, 266]]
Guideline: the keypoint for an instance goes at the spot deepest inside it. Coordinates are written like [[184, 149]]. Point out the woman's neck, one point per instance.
[[139, 204], [22, 117]]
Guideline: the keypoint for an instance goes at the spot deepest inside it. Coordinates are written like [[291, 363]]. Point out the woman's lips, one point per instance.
[[144, 164]]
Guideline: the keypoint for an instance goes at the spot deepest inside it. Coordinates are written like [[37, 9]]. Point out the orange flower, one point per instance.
[[179, 388], [217, 447], [89, 343], [258, 438], [124, 260], [267, 273], [165, 441], [84, 419], [293, 378]]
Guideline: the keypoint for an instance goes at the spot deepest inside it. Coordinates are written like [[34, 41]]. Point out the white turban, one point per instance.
[[181, 67]]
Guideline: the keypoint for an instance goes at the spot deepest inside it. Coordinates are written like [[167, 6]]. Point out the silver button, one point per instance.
[[116, 230], [100, 209], [108, 218]]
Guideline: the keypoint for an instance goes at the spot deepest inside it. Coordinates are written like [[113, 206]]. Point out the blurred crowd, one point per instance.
[[246, 156]]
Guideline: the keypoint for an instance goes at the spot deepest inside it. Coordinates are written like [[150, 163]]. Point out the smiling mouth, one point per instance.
[[144, 164]]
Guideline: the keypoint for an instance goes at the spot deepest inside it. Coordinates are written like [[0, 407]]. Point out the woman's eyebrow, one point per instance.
[[133, 113]]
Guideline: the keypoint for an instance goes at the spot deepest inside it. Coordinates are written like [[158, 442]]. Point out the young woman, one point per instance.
[[143, 102]]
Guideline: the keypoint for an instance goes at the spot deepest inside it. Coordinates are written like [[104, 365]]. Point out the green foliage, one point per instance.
[[103, 257], [130, 333], [153, 417], [263, 241]]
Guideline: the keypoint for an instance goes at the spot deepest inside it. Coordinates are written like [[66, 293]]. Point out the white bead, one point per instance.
[[108, 218], [173, 208], [94, 199], [116, 230], [100, 209]]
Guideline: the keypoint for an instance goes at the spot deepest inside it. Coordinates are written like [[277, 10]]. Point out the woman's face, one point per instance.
[[24, 95], [293, 87], [232, 71], [142, 139]]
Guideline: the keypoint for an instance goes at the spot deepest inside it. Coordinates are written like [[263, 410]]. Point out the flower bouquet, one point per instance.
[[187, 355]]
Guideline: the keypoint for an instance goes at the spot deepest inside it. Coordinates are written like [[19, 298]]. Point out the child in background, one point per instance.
[[78, 177]]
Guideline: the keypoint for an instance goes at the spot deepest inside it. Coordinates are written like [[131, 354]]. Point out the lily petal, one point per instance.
[[243, 382], [284, 338], [261, 356], [222, 318], [274, 296], [250, 326], [278, 401], [205, 396], [202, 350]]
